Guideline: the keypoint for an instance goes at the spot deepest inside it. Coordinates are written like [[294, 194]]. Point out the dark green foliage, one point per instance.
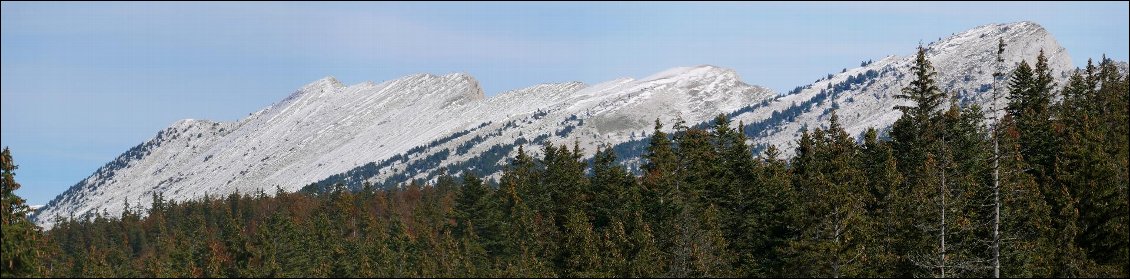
[[1030, 96], [834, 232], [883, 207], [1088, 197], [478, 214], [915, 134], [20, 236], [1026, 248], [614, 190]]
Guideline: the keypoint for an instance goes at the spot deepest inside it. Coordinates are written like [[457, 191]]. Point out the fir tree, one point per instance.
[[661, 201], [772, 199], [613, 188], [1030, 98], [580, 250], [832, 218], [883, 185], [1025, 225], [914, 134], [19, 257], [732, 192]]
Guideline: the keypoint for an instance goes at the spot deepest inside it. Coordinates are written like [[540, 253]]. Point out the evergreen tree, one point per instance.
[[732, 190], [477, 210], [772, 199], [914, 134], [645, 256], [832, 217], [696, 166], [916, 141], [1025, 224], [565, 181], [525, 251], [710, 255], [878, 161], [969, 194], [20, 257], [661, 200], [919, 141], [1105, 207], [518, 181], [614, 191], [1030, 98], [580, 250], [1089, 199]]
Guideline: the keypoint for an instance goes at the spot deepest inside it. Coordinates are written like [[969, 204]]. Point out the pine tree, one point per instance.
[[580, 248], [772, 199], [914, 134], [477, 210], [1090, 197], [525, 251], [968, 180], [878, 161], [565, 181], [1030, 95], [919, 141], [732, 190], [378, 257], [711, 256], [402, 247], [697, 166], [916, 141], [646, 258], [1107, 237], [518, 181], [615, 249], [1024, 226], [661, 201], [20, 257], [831, 219], [613, 189]]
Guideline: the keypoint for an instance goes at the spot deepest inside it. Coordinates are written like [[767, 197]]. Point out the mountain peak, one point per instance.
[[1024, 32], [474, 91], [1024, 25], [328, 82], [699, 78], [695, 72], [1023, 41], [1004, 27], [189, 122]]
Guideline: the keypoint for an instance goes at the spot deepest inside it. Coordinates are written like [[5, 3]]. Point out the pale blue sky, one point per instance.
[[83, 82]]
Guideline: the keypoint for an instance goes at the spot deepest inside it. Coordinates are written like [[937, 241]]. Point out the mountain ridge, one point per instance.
[[327, 127], [416, 126]]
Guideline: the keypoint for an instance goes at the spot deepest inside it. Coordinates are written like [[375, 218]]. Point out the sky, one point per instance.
[[83, 82]]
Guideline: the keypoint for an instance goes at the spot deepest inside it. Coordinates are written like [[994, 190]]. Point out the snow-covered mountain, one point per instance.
[[863, 97], [328, 128], [417, 126]]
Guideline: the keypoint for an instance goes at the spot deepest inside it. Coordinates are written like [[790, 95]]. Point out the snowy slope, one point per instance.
[[328, 128], [604, 114], [964, 65], [863, 97]]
